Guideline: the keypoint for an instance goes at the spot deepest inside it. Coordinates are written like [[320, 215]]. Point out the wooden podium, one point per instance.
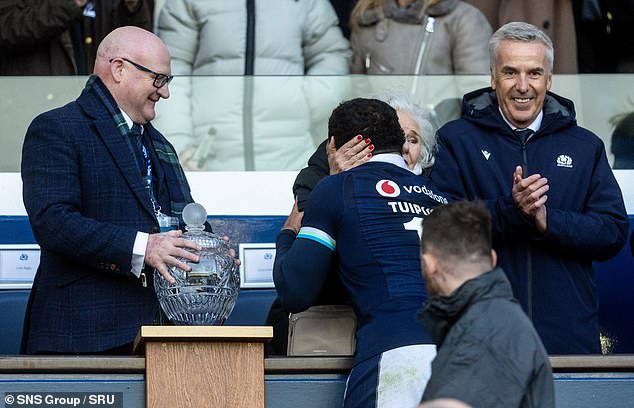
[[204, 366]]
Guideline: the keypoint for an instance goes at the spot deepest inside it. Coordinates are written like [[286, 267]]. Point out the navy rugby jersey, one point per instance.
[[368, 221]]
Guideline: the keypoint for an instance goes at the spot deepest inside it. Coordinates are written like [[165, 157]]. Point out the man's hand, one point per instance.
[[355, 152], [232, 252], [530, 197], [163, 249], [294, 220]]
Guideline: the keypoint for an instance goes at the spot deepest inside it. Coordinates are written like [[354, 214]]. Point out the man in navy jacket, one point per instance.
[[555, 203], [95, 191]]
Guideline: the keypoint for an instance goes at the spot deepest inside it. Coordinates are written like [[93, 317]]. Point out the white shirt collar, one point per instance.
[[534, 126], [393, 158], [129, 122]]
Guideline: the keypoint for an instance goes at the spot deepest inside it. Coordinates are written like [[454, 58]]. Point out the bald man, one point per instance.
[[444, 403], [100, 183]]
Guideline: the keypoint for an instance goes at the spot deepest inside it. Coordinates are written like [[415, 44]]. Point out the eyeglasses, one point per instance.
[[160, 80]]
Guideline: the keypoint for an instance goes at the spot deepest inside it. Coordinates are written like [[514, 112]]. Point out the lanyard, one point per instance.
[[148, 179]]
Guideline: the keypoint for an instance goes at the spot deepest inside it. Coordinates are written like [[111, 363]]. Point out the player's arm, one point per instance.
[[300, 269], [303, 259]]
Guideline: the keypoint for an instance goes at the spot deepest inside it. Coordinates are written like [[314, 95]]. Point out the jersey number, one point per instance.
[[416, 224]]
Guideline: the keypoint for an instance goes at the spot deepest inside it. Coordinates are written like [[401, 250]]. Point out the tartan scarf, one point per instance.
[[178, 187]]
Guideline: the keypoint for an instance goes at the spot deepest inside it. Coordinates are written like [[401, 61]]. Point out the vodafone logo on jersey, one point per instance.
[[388, 188]]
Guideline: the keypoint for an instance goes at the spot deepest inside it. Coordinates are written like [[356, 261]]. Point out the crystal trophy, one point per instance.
[[206, 295]]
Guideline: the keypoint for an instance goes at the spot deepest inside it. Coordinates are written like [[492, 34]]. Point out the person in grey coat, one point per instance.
[[418, 37], [489, 354]]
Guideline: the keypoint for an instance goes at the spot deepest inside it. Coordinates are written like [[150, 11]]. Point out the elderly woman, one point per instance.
[[420, 138], [418, 152]]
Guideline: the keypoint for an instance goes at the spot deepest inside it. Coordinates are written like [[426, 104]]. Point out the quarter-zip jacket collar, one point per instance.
[[479, 105], [439, 313]]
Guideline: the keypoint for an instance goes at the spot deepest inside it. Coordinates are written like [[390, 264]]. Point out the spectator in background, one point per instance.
[[60, 37], [489, 354], [555, 203], [554, 17], [622, 144], [622, 147], [418, 37], [605, 29], [244, 122], [365, 222], [418, 153], [158, 6], [343, 8]]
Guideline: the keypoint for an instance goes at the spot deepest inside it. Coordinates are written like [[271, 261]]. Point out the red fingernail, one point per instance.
[[371, 147], [369, 154], [367, 140], [359, 137]]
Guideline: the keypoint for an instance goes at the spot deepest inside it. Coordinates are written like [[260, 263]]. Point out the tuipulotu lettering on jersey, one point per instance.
[[409, 208]]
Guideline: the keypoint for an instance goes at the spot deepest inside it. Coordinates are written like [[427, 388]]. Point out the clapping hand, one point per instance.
[[530, 197]]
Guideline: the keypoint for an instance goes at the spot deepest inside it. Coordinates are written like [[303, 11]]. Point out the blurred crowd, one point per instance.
[[257, 122], [59, 37]]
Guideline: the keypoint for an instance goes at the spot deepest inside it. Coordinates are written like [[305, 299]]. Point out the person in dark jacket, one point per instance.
[[98, 179], [60, 37], [489, 354], [555, 202]]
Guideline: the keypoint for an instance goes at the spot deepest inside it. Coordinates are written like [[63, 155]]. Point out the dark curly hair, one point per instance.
[[370, 118]]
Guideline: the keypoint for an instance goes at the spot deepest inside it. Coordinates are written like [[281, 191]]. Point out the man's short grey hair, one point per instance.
[[520, 31], [423, 119]]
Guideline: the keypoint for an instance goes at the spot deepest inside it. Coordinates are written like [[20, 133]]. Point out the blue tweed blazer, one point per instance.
[[86, 201]]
